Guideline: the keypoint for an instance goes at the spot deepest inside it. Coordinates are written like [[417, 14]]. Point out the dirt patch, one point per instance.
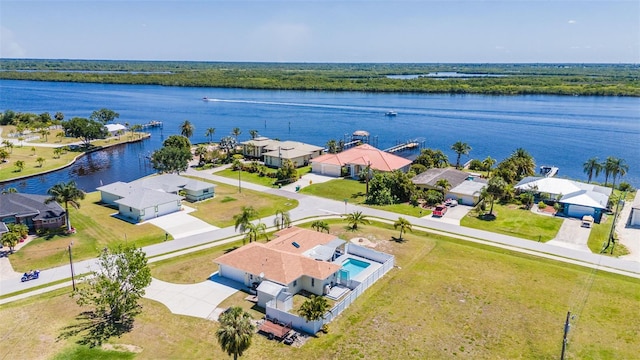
[[122, 348], [363, 242]]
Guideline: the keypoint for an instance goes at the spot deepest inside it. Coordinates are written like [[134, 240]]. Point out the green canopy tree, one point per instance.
[[444, 185], [115, 289], [67, 194], [11, 239], [104, 116], [235, 331], [171, 159], [460, 148], [19, 165], [313, 308], [84, 129]]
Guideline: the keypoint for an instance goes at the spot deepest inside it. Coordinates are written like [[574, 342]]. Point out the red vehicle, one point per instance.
[[440, 210]]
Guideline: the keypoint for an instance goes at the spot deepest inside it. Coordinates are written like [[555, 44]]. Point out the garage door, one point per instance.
[[579, 211], [232, 273]]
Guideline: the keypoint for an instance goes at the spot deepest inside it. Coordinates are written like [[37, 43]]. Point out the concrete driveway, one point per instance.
[[453, 215], [180, 224], [198, 300], [572, 235]]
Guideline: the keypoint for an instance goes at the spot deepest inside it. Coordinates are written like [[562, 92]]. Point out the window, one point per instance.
[[205, 191], [313, 282], [295, 283]]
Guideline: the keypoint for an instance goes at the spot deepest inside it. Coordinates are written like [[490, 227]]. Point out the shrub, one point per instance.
[[476, 164], [625, 186], [541, 205]]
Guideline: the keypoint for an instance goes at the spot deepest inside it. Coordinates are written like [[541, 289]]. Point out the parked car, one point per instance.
[[587, 221], [440, 210], [451, 202]]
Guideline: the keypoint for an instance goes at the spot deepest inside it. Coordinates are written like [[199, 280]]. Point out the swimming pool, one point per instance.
[[354, 267]]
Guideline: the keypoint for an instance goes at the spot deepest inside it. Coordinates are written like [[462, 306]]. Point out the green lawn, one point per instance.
[[446, 299], [599, 236], [515, 221], [255, 178]]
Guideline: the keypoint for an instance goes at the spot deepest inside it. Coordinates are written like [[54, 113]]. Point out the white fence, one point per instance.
[[313, 327]]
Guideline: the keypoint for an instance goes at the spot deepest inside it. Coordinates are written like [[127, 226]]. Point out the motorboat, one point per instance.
[[391, 113]]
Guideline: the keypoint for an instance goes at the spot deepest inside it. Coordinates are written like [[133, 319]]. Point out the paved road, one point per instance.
[[311, 206]]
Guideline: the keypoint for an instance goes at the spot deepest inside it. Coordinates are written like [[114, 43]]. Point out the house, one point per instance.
[[634, 216], [273, 152], [295, 260], [465, 187], [31, 210], [577, 199], [115, 129], [357, 159], [155, 196]]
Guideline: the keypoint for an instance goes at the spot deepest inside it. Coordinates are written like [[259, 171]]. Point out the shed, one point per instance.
[[268, 291]]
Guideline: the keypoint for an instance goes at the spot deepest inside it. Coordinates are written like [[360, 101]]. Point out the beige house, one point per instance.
[[273, 152]]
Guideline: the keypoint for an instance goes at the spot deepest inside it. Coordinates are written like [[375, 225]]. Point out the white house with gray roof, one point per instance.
[[155, 196], [273, 152]]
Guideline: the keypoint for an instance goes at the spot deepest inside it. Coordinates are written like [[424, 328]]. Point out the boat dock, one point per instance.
[[407, 145]]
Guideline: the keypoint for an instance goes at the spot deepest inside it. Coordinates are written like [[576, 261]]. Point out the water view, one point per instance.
[[562, 131]]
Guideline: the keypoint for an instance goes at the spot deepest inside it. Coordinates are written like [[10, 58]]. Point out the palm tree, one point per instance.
[[320, 226], [525, 166], [618, 167], [200, 151], [255, 231], [496, 187], [243, 219], [56, 152], [253, 133], [10, 240], [186, 129], [210, 132], [313, 308], [20, 165], [444, 185], [356, 218], [282, 220], [488, 164], [236, 132], [590, 167], [68, 194], [60, 135], [461, 148], [4, 155], [332, 146], [9, 145], [40, 160], [235, 332], [403, 224], [45, 132]]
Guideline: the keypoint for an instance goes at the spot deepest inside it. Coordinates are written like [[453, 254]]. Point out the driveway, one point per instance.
[[180, 224], [572, 235], [308, 179], [198, 300], [453, 215]]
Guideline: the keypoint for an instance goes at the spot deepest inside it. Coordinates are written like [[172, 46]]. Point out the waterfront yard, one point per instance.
[[255, 178], [447, 298]]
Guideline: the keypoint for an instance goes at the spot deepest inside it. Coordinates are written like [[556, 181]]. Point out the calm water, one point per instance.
[[556, 130]]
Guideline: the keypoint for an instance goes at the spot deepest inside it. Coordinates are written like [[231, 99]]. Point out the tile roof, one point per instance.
[[279, 260], [364, 155]]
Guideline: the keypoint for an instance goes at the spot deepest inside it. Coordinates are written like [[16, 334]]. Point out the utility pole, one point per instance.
[[239, 180], [567, 326], [613, 223], [73, 280]]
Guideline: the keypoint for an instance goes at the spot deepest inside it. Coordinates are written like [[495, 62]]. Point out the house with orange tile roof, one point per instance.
[[296, 259], [356, 159]]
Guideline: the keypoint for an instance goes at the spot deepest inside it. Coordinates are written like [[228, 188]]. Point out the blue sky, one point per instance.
[[324, 31]]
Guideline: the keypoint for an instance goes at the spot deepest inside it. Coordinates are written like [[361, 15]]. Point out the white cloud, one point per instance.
[[571, 22], [9, 47]]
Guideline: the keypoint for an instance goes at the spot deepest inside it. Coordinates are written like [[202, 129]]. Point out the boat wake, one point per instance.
[[275, 103]]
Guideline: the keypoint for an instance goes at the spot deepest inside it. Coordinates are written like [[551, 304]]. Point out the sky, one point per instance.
[[384, 31]]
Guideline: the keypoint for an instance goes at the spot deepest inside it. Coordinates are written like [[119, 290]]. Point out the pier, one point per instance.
[[407, 145]]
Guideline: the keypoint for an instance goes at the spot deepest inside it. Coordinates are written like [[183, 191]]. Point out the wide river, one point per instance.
[[563, 131]]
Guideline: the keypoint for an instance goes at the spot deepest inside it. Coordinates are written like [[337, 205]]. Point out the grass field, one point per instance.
[[514, 221], [257, 179], [446, 299]]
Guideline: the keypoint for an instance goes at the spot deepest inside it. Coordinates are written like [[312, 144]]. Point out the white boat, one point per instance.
[[548, 171], [390, 113]]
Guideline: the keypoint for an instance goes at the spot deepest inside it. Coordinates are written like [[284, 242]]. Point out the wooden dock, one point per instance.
[[409, 145]]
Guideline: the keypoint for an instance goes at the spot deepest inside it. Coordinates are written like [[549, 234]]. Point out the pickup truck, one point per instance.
[[440, 210]]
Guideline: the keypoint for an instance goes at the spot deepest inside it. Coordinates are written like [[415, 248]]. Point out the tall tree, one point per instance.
[[357, 218], [40, 160], [116, 286], [235, 331], [332, 146], [618, 167], [444, 185], [104, 116], [591, 167], [403, 224], [320, 226], [170, 159], [210, 132], [66, 193], [236, 132], [186, 129], [460, 148], [314, 308], [488, 163], [200, 152], [19, 165], [496, 187], [255, 231], [253, 134], [282, 219], [525, 166], [242, 220], [84, 129], [10, 240]]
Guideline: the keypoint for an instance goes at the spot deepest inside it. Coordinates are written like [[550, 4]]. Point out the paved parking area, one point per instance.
[[180, 224], [198, 300], [572, 235], [453, 215]]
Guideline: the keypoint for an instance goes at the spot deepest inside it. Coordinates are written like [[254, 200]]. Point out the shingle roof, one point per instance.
[[364, 155], [17, 204], [431, 176]]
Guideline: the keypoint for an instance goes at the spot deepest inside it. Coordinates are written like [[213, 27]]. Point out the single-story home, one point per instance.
[[31, 210], [154, 196], [578, 198], [115, 129], [357, 159], [465, 187], [634, 216], [273, 152], [288, 261]]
